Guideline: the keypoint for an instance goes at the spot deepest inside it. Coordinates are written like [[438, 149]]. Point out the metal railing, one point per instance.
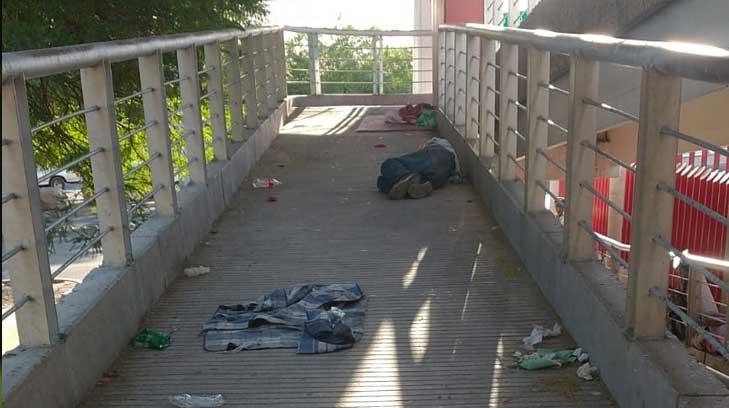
[[469, 94], [176, 142], [359, 61]]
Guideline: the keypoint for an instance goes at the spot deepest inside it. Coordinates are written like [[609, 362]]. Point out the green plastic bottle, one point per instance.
[[152, 339]]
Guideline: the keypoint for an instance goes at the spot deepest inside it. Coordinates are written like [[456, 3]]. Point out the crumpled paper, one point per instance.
[[538, 334]]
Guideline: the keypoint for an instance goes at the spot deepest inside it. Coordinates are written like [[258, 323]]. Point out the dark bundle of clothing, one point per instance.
[[311, 318], [416, 174]]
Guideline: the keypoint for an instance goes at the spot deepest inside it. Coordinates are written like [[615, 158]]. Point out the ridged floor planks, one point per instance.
[[448, 301]]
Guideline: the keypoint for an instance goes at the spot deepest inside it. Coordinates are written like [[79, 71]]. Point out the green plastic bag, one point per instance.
[[545, 358], [152, 339], [427, 119]]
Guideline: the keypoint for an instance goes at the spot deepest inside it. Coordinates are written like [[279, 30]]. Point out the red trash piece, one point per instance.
[[410, 113], [379, 145], [104, 381], [272, 199]]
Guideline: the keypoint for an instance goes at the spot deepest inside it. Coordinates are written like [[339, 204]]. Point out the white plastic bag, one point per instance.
[[197, 401], [266, 183]]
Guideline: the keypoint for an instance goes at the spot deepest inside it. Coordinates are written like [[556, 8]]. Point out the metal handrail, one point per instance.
[[80, 252], [692, 61], [76, 209], [551, 160], [64, 117], [706, 145], [25, 299], [69, 164], [39, 63], [588, 187], [12, 252], [361, 33], [611, 109], [595, 236], [608, 156]]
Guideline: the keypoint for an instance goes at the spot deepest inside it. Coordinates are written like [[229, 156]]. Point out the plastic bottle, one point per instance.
[[152, 339], [266, 183]]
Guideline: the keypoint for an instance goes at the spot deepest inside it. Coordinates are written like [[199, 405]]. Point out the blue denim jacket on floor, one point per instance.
[[435, 163]]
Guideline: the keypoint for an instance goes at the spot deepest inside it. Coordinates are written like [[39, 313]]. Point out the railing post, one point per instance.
[[508, 111], [235, 94], [283, 87], [216, 100], [260, 78], [98, 90], [248, 78], [580, 161], [151, 75], [375, 77], [381, 65], [472, 96], [314, 68], [22, 223], [269, 71], [660, 106], [190, 94], [460, 95], [487, 122], [441, 88], [538, 107], [450, 86]]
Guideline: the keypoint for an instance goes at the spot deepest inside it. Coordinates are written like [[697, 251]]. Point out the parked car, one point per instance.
[[59, 180]]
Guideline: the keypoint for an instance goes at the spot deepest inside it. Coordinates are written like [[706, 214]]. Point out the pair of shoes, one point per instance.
[[400, 189], [420, 190]]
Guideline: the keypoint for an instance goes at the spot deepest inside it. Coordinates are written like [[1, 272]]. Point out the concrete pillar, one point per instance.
[[281, 60], [314, 66], [538, 107], [451, 75], [269, 71], [460, 95], [235, 88], [660, 105], [439, 87], [111, 208], [580, 161], [375, 76], [508, 111], [216, 100], [381, 65], [473, 52], [487, 122], [260, 78], [191, 119], [22, 225], [151, 75], [248, 79]]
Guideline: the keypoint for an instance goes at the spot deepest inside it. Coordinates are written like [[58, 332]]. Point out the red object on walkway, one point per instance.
[[379, 145], [272, 199]]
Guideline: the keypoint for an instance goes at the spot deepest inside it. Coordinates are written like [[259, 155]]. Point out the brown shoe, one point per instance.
[[400, 189], [420, 190]]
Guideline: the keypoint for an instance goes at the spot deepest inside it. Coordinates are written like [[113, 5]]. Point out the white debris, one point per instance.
[[196, 271], [583, 357], [539, 333], [587, 372], [266, 183]]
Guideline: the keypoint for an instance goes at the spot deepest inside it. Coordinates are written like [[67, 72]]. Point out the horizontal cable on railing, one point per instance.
[[614, 243], [69, 164], [207, 95], [550, 122], [5, 142], [554, 88], [65, 117], [518, 104], [517, 133], [518, 75], [8, 197], [25, 299], [498, 119], [134, 95], [142, 164], [180, 109], [697, 205], [475, 57], [613, 253], [558, 201], [587, 186], [137, 130], [206, 70], [81, 251], [493, 90], [608, 156], [76, 209], [490, 137], [551, 160], [12, 252], [699, 266], [492, 65], [685, 317], [176, 80], [144, 199], [611, 109], [706, 145], [516, 163]]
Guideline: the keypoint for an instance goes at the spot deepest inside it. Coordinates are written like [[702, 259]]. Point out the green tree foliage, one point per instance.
[[33, 24], [347, 64]]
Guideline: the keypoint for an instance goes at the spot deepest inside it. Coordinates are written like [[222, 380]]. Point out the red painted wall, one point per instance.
[[464, 11]]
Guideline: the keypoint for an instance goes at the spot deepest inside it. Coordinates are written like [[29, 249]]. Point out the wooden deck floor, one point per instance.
[[448, 301]]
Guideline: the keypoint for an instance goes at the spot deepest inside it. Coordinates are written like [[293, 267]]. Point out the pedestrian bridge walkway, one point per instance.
[[448, 299]]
